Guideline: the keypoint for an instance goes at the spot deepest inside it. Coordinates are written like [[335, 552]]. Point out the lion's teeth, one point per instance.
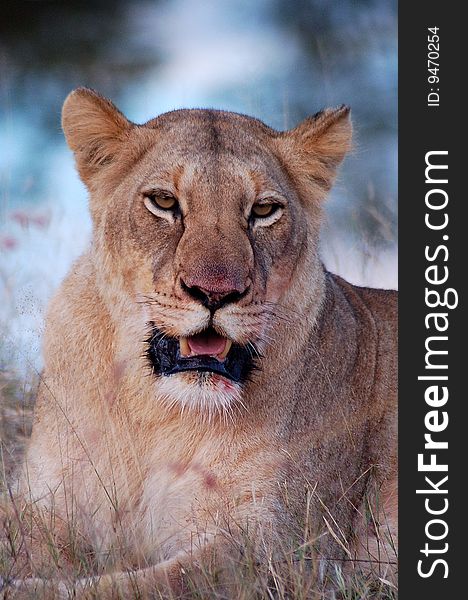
[[184, 347], [225, 352]]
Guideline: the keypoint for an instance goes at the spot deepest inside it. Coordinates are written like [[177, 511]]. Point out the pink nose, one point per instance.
[[213, 292]]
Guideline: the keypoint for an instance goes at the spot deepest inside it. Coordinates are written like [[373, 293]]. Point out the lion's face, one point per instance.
[[209, 221]]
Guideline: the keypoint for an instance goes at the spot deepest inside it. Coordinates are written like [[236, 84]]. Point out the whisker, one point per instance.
[[253, 349]]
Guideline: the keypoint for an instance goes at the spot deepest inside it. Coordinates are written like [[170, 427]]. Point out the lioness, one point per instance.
[[206, 380]]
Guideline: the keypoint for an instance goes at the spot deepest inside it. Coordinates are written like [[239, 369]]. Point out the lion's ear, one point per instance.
[[94, 129], [315, 148]]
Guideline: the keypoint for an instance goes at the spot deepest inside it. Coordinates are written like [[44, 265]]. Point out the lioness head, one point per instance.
[[205, 227]]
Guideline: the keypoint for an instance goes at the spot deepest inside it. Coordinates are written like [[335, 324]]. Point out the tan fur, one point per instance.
[[156, 480]]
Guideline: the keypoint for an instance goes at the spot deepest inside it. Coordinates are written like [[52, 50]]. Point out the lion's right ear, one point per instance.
[[94, 129]]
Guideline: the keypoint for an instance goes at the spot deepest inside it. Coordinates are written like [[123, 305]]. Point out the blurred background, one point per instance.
[[278, 60]]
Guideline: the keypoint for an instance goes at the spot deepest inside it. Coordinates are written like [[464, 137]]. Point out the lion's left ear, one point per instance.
[[315, 148]]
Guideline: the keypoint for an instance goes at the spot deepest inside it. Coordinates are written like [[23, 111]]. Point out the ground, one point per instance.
[[291, 580]]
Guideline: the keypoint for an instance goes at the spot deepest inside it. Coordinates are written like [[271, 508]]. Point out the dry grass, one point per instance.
[[16, 414], [293, 576]]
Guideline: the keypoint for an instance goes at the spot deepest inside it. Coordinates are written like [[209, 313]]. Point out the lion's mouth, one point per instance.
[[207, 351], [206, 343]]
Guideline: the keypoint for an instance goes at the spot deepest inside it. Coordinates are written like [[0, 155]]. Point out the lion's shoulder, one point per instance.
[[381, 304], [374, 315]]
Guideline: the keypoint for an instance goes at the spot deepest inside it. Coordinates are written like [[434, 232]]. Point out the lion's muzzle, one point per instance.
[[207, 351]]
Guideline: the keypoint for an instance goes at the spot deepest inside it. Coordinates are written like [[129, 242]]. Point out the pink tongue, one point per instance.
[[207, 343]]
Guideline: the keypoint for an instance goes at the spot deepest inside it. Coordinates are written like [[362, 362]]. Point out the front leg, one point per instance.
[[165, 578], [169, 579]]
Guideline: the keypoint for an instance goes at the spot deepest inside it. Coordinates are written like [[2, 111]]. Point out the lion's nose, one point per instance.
[[214, 294]]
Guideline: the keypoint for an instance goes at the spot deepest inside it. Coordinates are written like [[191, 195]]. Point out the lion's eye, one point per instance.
[[160, 201], [261, 211]]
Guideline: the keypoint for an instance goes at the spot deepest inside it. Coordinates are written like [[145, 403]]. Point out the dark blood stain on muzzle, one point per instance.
[[164, 355]]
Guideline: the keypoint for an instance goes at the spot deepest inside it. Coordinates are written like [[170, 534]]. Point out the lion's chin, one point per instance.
[[207, 393]]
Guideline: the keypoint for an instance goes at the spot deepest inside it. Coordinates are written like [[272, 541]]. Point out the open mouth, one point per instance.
[[206, 343], [207, 351]]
